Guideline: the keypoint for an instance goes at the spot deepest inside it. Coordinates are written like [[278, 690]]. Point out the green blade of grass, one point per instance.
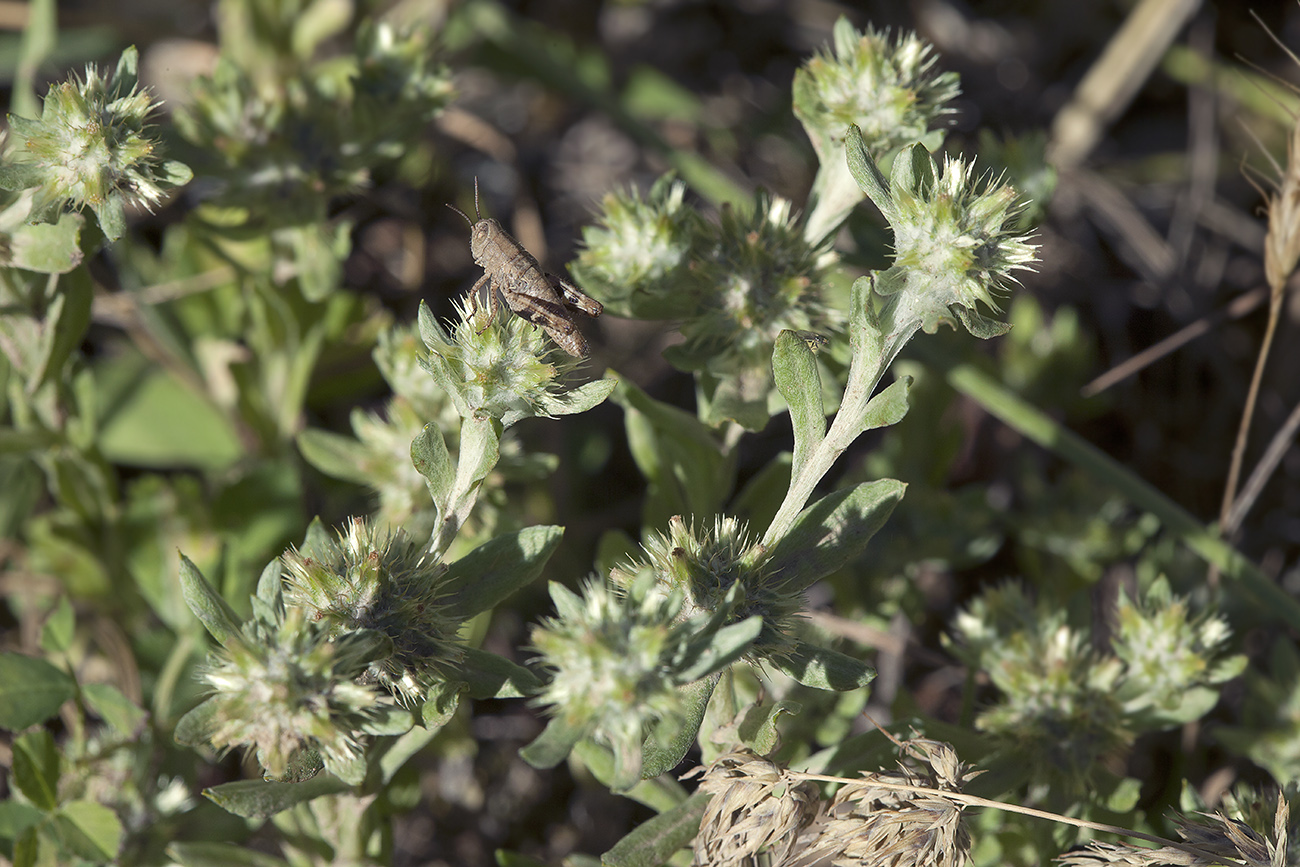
[[1027, 420]]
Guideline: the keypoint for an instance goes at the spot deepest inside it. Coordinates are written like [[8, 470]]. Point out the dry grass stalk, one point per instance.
[[1281, 254], [1216, 840], [756, 813]]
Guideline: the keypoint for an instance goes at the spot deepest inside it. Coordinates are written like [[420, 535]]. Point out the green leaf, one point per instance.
[[654, 841], [220, 855], [208, 606], [164, 423], [50, 248], [20, 176], [867, 175], [660, 758], [335, 455], [31, 691], [27, 848], [392, 755], [484, 577], [111, 213], [303, 765], [795, 368], [65, 324], [686, 470], [114, 708], [36, 769], [888, 407], [822, 668], [480, 449], [196, 727], [270, 584], [389, 721], [259, 799], [440, 705], [832, 531], [318, 541], [978, 324], [89, 830], [431, 459], [16, 817], [490, 676], [56, 634], [553, 745], [580, 399], [723, 648], [757, 729]]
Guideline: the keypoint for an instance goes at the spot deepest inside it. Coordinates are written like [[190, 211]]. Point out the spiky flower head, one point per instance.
[[1058, 702], [501, 366], [288, 687], [954, 240], [704, 567], [759, 277], [639, 251], [1173, 658], [92, 148], [887, 86], [364, 579], [611, 657]]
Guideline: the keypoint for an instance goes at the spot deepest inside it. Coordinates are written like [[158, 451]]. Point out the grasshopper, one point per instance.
[[513, 274]]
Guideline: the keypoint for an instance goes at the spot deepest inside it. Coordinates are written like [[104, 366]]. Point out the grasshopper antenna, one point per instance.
[[477, 213]]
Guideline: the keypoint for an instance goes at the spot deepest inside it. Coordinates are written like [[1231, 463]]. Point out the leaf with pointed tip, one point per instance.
[[432, 460], [36, 769], [659, 758], [490, 676], [553, 745], [867, 174], [486, 576], [888, 407], [654, 841], [832, 531], [208, 606], [197, 726], [317, 542], [220, 855], [335, 455], [795, 369], [88, 830], [260, 799], [822, 668]]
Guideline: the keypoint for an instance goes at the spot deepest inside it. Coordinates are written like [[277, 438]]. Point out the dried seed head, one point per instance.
[[1217, 839], [870, 824], [1282, 243], [757, 807]]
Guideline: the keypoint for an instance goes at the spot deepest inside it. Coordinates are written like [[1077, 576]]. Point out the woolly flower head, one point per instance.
[[366, 580], [704, 566], [759, 278], [609, 652], [886, 86], [640, 250], [954, 239], [288, 688], [1058, 698], [92, 148], [1171, 656], [502, 367]]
